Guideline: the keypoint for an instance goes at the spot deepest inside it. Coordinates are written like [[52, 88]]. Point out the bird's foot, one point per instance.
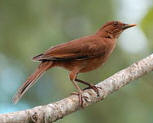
[[81, 97], [94, 88]]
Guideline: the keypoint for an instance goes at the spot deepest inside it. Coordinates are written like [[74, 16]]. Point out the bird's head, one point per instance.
[[113, 29]]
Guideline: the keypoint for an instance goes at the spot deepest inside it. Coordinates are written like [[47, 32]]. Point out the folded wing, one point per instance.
[[84, 48]]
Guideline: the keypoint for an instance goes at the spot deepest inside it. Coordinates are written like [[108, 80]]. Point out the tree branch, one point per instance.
[[52, 112]]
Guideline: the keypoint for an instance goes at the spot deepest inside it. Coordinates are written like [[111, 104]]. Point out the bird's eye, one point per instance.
[[115, 23]]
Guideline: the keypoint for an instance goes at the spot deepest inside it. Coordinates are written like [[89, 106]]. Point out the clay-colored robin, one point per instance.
[[78, 56]]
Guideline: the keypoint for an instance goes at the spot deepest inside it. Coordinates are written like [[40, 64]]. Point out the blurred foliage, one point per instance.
[[147, 26], [29, 27]]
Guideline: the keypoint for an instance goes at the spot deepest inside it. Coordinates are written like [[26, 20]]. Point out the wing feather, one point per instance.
[[82, 48]]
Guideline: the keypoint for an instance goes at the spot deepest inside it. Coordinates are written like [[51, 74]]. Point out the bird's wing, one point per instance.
[[82, 48]]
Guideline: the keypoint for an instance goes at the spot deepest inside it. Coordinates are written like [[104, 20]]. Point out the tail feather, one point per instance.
[[38, 57], [44, 66]]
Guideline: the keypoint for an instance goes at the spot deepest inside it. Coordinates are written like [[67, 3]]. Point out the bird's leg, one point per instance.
[[72, 76], [79, 93], [90, 85]]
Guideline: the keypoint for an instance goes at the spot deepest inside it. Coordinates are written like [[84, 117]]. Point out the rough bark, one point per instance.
[[55, 111]]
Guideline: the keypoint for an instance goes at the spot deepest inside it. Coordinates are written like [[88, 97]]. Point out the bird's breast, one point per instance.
[[94, 63]]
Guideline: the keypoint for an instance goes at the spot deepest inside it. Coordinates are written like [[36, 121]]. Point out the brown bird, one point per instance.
[[78, 56]]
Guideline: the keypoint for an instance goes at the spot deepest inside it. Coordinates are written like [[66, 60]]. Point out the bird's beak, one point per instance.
[[128, 26]]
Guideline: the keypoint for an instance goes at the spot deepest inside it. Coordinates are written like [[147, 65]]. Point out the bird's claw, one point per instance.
[[81, 97], [94, 88]]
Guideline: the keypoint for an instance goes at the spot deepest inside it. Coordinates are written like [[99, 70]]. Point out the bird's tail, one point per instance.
[[44, 66]]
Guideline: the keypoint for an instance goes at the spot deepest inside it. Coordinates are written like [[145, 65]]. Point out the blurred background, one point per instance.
[[29, 27]]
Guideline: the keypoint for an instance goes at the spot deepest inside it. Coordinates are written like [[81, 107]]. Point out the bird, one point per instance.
[[77, 56]]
